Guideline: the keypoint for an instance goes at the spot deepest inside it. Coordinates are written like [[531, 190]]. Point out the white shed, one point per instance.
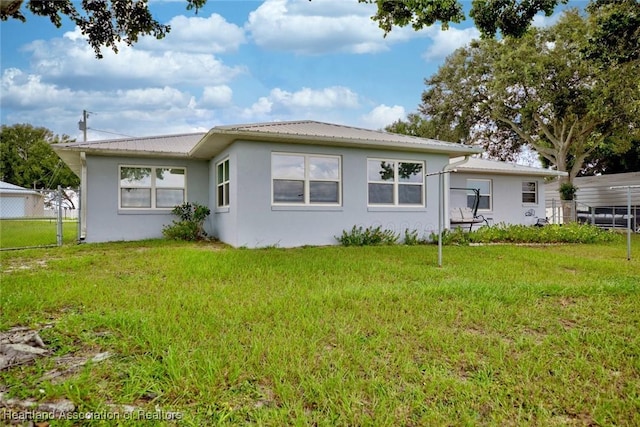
[[19, 202]]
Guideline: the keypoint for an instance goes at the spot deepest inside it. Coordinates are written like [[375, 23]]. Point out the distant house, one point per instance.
[[284, 183], [508, 193], [19, 202]]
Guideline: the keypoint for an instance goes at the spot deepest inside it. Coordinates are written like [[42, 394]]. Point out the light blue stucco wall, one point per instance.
[[252, 221], [507, 206], [105, 222]]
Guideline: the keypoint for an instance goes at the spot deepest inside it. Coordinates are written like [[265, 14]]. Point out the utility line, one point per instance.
[[112, 133]]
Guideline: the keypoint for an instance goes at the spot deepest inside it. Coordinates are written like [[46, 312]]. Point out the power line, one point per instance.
[[112, 133]]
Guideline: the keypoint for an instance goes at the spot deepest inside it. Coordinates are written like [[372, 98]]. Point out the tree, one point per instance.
[[27, 160], [509, 17], [103, 22], [615, 32], [537, 91]]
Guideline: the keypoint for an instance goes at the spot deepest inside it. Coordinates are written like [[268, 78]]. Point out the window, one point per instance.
[[484, 185], [151, 187], [223, 184], [395, 182], [530, 192], [305, 179]]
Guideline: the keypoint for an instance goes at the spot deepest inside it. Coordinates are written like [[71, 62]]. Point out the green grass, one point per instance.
[[501, 335], [37, 232]]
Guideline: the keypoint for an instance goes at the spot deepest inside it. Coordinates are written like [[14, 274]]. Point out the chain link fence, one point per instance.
[[37, 218]]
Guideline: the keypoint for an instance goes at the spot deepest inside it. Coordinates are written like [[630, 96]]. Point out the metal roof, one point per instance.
[[168, 144], [208, 145], [8, 188], [503, 168], [318, 133]]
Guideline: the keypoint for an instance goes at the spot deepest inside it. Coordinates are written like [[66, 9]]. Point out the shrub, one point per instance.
[[503, 233], [411, 237], [567, 191], [369, 236], [191, 224]]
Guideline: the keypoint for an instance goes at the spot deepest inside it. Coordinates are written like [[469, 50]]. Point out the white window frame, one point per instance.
[[224, 184], [307, 180], [396, 183], [490, 195], [534, 192], [152, 187]]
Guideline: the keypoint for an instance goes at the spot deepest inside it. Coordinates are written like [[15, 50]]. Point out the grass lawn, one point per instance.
[[37, 232], [501, 335]]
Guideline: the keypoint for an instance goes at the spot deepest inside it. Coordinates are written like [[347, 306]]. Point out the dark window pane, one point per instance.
[[381, 194], [485, 202], [226, 194], [220, 173], [288, 191], [168, 198], [135, 197], [410, 194], [323, 192], [528, 197], [220, 197]]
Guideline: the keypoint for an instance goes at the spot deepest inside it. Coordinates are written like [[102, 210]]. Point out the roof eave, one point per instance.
[[222, 138], [542, 172]]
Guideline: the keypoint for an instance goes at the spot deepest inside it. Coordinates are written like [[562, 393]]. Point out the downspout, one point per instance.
[[83, 197]]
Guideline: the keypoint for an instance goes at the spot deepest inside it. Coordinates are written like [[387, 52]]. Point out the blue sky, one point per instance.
[[234, 62]]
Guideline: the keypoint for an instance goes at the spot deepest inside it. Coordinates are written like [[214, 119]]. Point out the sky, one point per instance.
[[239, 61]]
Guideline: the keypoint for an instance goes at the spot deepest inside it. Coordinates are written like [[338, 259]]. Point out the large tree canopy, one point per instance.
[[27, 160], [538, 91], [103, 22], [509, 17]]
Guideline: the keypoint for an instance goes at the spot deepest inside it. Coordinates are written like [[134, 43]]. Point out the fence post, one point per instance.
[[59, 221]]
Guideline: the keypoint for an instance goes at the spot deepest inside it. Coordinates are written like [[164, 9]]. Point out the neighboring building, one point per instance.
[[19, 202], [283, 183], [596, 202], [509, 193]]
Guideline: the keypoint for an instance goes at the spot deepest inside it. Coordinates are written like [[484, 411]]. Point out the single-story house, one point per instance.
[[506, 192], [267, 184], [20, 202]]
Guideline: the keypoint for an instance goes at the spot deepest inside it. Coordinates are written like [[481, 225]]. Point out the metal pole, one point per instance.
[[59, 222], [440, 216], [628, 223], [79, 216]]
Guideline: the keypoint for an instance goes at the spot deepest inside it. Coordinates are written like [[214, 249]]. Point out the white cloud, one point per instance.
[[216, 96], [383, 115], [196, 34], [70, 57], [306, 103], [136, 112], [320, 26], [447, 41], [306, 98]]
